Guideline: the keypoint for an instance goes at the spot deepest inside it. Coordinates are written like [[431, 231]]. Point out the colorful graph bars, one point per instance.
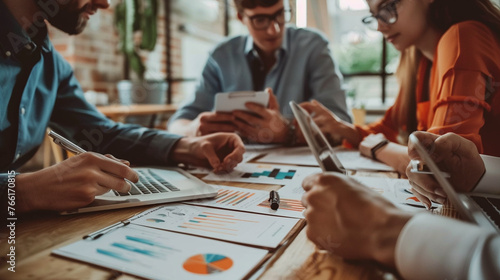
[[213, 222], [275, 173], [232, 197]]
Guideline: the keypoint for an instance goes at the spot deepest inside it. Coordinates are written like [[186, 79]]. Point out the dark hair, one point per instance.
[[445, 13], [252, 4]]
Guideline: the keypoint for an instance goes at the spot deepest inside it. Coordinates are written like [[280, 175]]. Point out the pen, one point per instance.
[[274, 200], [99, 233], [65, 143]]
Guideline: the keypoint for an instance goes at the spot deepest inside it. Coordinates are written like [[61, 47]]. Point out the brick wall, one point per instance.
[[95, 58]]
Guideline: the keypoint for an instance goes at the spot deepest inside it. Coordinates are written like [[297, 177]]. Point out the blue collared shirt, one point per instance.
[[304, 70], [38, 89]]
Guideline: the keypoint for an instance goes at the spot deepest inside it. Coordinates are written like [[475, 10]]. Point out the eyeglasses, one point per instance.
[[262, 21], [388, 14]]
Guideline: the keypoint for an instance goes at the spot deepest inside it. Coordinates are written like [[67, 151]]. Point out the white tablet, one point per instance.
[[230, 101]]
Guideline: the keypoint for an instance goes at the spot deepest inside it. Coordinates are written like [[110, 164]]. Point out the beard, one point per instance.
[[70, 18]]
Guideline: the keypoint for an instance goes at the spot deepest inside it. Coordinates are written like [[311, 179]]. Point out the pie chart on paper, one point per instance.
[[207, 264]]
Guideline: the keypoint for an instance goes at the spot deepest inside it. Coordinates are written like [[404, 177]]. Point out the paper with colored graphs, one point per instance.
[[156, 254], [246, 228], [396, 190], [255, 201], [260, 173]]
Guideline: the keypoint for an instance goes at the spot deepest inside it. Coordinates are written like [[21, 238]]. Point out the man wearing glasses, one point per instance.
[[292, 63]]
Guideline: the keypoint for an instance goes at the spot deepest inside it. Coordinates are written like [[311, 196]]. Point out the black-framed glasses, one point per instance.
[[262, 21], [388, 14]]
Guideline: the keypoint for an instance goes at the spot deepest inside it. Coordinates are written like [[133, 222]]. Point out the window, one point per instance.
[[360, 54], [355, 5]]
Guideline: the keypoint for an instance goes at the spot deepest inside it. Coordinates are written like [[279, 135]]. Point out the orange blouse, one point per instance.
[[464, 89]]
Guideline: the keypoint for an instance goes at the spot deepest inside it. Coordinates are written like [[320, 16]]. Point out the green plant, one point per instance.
[[133, 16], [363, 57]]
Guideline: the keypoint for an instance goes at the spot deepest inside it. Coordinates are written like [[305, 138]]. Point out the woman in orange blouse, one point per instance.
[[449, 74]]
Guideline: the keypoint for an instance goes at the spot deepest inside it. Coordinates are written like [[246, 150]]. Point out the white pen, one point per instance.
[[65, 143]]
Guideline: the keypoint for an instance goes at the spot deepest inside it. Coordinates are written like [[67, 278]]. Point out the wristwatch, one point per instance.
[[378, 147]]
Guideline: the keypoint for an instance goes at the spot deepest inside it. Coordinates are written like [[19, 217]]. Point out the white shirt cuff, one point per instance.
[[490, 182], [436, 247]]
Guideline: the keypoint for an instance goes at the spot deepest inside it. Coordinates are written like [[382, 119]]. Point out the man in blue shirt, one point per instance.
[[38, 88], [295, 63]]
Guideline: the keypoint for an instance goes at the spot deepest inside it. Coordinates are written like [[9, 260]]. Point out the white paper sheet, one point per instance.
[[395, 190], [157, 254], [296, 155], [246, 228], [352, 160], [261, 147], [254, 201], [260, 173], [247, 156]]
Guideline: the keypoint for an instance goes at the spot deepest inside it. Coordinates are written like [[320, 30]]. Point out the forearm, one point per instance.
[[350, 133], [394, 155], [385, 239], [183, 127]]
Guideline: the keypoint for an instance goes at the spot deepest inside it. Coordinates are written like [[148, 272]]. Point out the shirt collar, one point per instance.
[[250, 48], [15, 41]]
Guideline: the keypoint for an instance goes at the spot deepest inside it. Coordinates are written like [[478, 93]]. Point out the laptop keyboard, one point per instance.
[[149, 183], [491, 207]]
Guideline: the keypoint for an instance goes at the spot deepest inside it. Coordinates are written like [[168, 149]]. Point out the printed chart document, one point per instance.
[[255, 201], [156, 254], [296, 155], [246, 228], [260, 173], [396, 190]]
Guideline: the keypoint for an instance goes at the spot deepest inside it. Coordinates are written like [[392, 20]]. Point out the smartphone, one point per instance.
[[230, 101]]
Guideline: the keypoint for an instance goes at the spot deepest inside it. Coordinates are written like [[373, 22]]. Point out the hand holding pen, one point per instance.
[[74, 182]]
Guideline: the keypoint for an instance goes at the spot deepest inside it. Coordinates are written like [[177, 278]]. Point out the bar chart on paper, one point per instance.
[[265, 174], [157, 254], [275, 173], [255, 201], [209, 221], [246, 228]]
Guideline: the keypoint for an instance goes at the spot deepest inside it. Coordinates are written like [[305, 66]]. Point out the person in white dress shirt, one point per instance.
[[354, 222]]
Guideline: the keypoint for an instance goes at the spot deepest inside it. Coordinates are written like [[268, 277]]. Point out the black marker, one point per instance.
[[274, 200]]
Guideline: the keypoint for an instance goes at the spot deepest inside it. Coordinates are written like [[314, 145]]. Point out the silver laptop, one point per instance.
[[319, 145], [482, 210], [156, 185]]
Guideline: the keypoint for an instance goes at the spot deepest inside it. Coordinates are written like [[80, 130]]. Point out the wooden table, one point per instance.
[[118, 113], [38, 234]]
